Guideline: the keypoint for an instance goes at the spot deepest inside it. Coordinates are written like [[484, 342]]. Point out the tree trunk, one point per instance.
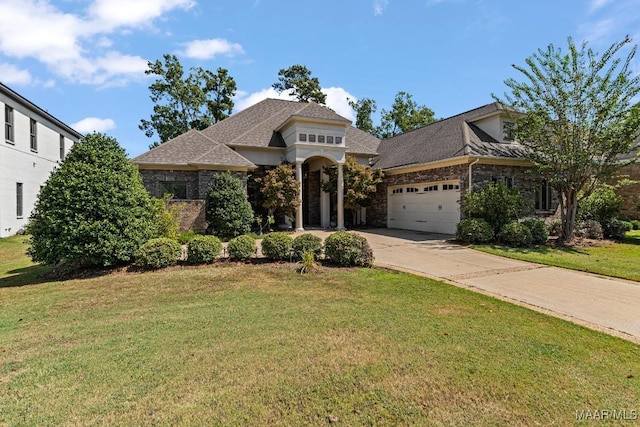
[[568, 211]]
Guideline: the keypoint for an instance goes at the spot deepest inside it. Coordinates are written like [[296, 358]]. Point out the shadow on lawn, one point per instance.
[[33, 275], [543, 250]]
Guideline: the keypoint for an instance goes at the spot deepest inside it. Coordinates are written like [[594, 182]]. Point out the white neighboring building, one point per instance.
[[32, 144]]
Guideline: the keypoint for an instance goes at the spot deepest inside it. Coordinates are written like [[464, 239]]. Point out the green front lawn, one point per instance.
[[615, 260], [263, 345]]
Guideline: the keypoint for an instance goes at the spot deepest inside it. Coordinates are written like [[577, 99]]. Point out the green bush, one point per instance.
[[616, 229], [554, 225], [241, 247], [228, 211], [93, 209], [602, 205], [165, 217], [538, 229], [203, 249], [635, 224], [495, 203], [186, 236], [277, 246], [307, 243], [474, 230], [158, 253], [515, 234], [590, 229], [348, 249]]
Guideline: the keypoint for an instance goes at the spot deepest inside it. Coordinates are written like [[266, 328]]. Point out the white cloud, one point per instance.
[[611, 23], [11, 74], [91, 124], [379, 6], [76, 45], [597, 4], [337, 99], [208, 49]]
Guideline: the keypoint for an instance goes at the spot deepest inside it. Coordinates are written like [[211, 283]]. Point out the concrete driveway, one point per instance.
[[601, 303]]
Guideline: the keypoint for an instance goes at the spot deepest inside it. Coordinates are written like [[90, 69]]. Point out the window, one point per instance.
[[321, 138], [412, 190], [543, 197], [397, 191], [8, 123], [506, 180], [33, 129], [338, 140], [19, 199], [302, 137], [329, 140], [177, 188], [312, 138], [508, 131], [61, 147], [446, 187], [431, 188]]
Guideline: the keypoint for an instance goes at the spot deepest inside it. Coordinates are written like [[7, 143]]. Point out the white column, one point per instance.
[[299, 226], [340, 198]]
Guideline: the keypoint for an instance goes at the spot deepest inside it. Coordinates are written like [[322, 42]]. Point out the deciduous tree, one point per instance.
[[195, 101], [364, 108], [578, 116], [280, 190], [305, 88], [405, 115]]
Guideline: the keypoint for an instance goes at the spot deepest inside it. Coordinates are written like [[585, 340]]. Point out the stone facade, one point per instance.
[[198, 182], [191, 215], [377, 212], [630, 193]]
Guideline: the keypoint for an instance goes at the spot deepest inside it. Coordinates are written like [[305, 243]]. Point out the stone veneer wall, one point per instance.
[[630, 193], [377, 212], [191, 215]]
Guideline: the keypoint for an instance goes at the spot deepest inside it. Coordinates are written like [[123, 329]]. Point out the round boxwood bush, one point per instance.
[[590, 229], [474, 230], [515, 234], [538, 229], [277, 246], [242, 247], [203, 249], [348, 249], [307, 243], [616, 229], [158, 253]]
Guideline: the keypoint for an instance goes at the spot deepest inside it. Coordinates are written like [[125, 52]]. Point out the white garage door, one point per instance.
[[432, 207]]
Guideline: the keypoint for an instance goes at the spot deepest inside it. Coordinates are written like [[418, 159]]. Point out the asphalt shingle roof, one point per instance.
[[452, 137], [193, 148]]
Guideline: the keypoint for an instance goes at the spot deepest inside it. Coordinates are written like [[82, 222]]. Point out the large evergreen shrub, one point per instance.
[[348, 249], [515, 234], [228, 211], [538, 229], [495, 203], [93, 209], [277, 246], [603, 205]]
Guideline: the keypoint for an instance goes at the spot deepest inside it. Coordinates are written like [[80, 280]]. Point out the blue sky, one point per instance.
[[84, 60]]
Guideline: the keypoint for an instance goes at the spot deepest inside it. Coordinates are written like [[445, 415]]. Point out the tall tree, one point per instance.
[[195, 101], [360, 184], [364, 108], [297, 78], [280, 190], [405, 115], [577, 116]]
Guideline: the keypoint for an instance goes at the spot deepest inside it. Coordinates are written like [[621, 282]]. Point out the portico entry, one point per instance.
[[316, 208]]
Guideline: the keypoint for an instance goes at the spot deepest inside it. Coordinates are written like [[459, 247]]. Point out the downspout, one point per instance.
[[467, 151], [469, 190]]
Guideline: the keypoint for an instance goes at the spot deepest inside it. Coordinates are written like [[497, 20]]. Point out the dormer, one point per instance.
[[498, 125], [313, 132]]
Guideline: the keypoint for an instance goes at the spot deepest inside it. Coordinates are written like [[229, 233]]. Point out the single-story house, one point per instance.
[[425, 170]]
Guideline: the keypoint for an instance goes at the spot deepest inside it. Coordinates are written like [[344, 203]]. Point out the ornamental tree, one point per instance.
[[93, 209], [578, 115], [280, 190]]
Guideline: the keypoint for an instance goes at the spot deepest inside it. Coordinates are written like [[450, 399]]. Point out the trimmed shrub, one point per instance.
[[93, 209], [474, 230], [165, 217], [590, 229], [158, 253], [307, 243], [277, 246], [616, 229], [203, 249], [635, 224], [242, 247], [516, 234], [185, 237], [228, 211], [348, 249], [538, 229], [602, 205], [495, 203]]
